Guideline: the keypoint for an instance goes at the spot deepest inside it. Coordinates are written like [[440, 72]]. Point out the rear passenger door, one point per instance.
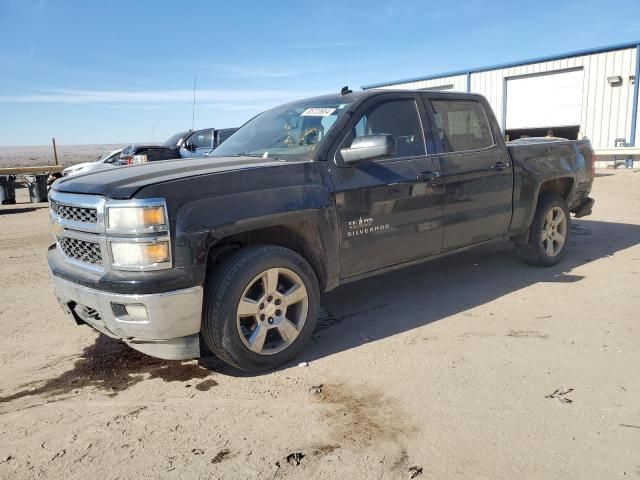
[[476, 170]]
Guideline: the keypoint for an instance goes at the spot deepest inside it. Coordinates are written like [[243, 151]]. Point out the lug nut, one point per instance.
[[262, 317], [261, 306], [269, 298], [278, 301], [278, 312], [270, 319]]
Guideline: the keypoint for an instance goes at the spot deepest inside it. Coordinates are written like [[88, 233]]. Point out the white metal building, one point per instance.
[[592, 93]]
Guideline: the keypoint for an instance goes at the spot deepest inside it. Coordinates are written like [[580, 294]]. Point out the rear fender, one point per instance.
[[534, 167]]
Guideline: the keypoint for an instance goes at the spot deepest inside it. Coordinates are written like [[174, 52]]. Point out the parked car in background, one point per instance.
[[108, 160], [153, 152], [303, 198], [202, 142], [186, 144]]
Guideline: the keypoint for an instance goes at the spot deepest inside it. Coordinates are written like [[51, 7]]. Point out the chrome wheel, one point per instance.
[[272, 311], [554, 231]]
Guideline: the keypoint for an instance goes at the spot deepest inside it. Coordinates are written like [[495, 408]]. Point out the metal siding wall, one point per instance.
[[606, 110]]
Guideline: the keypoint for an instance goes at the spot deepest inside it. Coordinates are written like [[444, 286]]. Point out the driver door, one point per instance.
[[390, 209]]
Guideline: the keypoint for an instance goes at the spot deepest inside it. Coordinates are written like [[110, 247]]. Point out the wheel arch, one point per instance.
[[301, 236], [560, 186]]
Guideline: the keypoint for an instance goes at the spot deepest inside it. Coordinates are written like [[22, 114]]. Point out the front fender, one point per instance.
[[202, 223]]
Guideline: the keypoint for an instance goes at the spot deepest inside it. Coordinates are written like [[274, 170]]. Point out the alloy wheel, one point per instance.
[[554, 231], [272, 311]]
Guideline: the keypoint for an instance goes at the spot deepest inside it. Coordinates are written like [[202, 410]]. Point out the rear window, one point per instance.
[[462, 125]]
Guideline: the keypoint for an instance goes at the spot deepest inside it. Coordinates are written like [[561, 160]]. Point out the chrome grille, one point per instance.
[[75, 214], [81, 250]]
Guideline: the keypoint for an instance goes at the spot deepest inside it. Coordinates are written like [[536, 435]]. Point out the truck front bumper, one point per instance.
[[164, 325]]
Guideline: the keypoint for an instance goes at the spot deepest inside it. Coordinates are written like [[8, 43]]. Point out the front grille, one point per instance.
[[76, 214], [82, 250]]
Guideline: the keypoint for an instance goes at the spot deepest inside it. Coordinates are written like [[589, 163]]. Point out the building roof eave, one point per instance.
[[549, 58]]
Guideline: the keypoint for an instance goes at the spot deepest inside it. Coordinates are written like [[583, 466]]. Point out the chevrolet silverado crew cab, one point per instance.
[[231, 253]]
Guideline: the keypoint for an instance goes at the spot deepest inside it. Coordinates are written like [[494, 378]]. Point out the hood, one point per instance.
[[87, 167], [77, 166], [124, 182]]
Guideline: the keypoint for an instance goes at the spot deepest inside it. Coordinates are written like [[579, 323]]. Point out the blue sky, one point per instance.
[[122, 71]]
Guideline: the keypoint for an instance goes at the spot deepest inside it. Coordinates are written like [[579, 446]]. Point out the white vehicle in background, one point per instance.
[[108, 160]]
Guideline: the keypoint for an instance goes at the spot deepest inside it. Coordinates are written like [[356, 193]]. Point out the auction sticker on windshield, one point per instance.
[[317, 112]]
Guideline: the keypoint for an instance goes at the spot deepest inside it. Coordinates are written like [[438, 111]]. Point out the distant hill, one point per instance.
[[43, 154]]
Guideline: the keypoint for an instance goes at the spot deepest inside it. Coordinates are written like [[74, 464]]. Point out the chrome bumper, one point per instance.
[[164, 325]]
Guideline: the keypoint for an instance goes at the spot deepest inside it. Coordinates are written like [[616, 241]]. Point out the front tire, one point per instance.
[[260, 308], [549, 233]]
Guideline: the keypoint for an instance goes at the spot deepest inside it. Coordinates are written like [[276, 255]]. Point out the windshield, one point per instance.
[[289, 132], [102, 157], [172, 141]]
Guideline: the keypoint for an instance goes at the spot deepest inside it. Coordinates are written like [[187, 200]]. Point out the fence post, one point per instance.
[[55, 153]]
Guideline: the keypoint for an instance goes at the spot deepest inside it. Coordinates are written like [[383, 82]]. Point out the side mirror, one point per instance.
[[369, 147]]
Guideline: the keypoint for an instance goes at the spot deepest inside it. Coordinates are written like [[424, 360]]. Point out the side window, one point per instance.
[[399, 118], [203, 139], [115, 158], [462, 125]]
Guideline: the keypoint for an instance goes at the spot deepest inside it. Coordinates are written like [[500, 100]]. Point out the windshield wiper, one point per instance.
[[255, 155], [252, 155]]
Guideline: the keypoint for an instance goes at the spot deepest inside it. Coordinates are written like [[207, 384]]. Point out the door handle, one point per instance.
[[500, 165], [428, 176]]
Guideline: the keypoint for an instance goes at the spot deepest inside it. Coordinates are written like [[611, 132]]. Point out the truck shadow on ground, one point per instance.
[[399, 301], [403, 300]]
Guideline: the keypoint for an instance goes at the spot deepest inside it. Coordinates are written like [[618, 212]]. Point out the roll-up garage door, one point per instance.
[[545, 100]]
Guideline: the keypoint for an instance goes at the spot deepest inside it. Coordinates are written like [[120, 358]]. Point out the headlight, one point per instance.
[[137, 255], [137, 219]]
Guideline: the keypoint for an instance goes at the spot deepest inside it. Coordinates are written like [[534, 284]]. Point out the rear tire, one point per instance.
[[260, 308], [549, 233]]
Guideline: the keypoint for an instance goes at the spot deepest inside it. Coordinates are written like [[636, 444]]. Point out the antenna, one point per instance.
[[193, 112]]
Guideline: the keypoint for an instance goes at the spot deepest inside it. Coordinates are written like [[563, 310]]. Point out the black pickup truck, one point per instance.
[[187, 144], [233, 252]]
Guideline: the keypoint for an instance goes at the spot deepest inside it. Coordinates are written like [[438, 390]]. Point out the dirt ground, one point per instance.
[[474, 366]]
